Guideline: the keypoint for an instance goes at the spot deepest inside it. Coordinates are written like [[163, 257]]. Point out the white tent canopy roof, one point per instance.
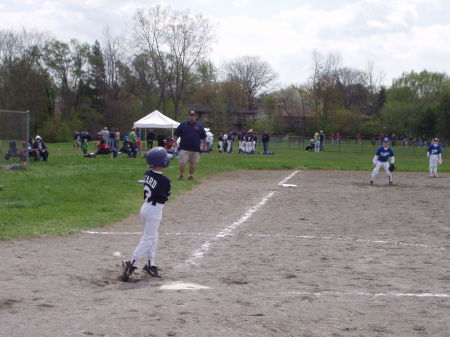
[[156, 120]]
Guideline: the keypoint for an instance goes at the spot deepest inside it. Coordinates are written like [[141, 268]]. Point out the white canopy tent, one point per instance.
[[156, 120]]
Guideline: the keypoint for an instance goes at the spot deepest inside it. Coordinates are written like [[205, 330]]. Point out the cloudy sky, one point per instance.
[[394, 35]]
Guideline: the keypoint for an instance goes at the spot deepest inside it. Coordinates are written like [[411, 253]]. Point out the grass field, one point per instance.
[[70, 193]]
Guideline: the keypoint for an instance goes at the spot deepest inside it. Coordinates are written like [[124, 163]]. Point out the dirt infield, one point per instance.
[[330, 256]]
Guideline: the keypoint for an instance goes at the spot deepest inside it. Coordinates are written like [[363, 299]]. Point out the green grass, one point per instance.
[[71, 193]]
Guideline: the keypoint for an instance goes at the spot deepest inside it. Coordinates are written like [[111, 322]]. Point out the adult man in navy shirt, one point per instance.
[[191, 132]]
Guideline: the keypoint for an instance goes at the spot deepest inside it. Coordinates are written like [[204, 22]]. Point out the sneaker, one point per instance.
[[152, 270], [190, 178], [180, 177], [127, 270], [371, 182]]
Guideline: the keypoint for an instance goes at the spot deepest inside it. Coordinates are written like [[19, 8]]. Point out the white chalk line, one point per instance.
[[287, 178], [367, 294], [349, 239], [199, 253], [140, 233], [306, 237]]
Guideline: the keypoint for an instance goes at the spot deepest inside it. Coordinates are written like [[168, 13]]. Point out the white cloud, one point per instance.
[[397, 35]]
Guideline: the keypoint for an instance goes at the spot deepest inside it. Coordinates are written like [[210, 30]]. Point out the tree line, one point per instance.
[[162, 63]]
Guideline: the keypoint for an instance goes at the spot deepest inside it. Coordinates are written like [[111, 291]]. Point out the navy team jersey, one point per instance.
[[384, 154], [434, 149], [156, 187]]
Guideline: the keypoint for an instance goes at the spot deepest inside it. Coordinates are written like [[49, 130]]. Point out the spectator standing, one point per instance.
[[111, 139], [85, 146], [76, 139], [265, 141], [117, 139], [316, 142], [104, 134], [150, 139], [85, 135], [191, 133], [133, 136], [322, 140], [337, 137]]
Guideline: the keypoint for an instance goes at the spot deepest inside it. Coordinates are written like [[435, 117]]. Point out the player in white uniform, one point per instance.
[[434, 153], [156, 193], [382, 157]]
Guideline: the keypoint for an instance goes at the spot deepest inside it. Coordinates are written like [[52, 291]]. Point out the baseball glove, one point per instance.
[[392, 167]]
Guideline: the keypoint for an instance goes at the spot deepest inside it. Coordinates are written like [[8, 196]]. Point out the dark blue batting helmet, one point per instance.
[[158, 157]]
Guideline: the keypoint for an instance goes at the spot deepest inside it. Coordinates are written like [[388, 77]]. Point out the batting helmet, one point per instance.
[[158, 157]]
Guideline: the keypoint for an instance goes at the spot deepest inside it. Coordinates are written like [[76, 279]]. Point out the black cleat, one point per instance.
[[371, 182], [152, 270], [391, 183], [190, 178], [180, 177], [127, 270]]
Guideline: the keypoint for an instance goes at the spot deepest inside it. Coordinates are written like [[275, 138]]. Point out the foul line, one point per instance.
[[333, 238], [306, 237], [227, 230], [367, 294], [287, 178], [199, 253]]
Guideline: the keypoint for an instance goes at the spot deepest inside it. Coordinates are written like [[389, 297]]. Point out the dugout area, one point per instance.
[[330, 256]]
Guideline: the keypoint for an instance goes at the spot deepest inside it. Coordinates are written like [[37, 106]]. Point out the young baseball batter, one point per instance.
[[434, 153], [156, 193], [382, 157]]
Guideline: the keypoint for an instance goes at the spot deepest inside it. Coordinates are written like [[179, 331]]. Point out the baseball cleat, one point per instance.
[[180, 177], [190, 178], [391, 183], [371, 182], [152, 270], [127, 270]]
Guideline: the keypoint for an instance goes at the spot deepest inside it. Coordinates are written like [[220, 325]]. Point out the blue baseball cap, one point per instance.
[[385, 140], [436, 139]]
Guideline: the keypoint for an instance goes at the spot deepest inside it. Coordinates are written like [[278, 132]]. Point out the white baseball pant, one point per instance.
[[385, 165], [150, 218], [434, 159]]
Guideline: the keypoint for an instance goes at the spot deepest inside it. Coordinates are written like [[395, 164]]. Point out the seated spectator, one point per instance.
[[129, 148], [39, 149], [105, 149], [160, 139], [310, 146]]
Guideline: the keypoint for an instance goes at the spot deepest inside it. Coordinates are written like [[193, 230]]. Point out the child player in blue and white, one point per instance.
[[434, 153], [382, 158], [156, 193]]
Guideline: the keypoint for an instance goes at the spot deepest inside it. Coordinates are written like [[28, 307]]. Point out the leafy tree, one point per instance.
[[443, 127], [175, 42], [253, 75]]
